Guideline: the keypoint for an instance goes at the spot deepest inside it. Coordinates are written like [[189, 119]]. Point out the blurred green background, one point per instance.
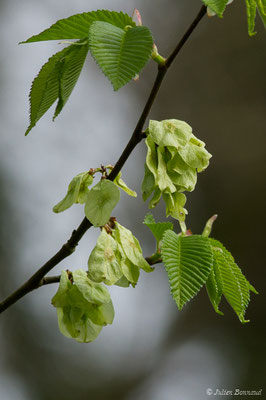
[[152, 351]]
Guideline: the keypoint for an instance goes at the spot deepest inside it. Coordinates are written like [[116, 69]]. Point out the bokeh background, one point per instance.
[[152, 351]]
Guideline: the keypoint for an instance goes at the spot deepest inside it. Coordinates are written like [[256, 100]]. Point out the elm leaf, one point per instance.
[[120, 53], [78, 26], [73, 324], [157, 228], [217, 6], [122, 185], [214, 287], [103, 265], [234, 285], [101, 201], [76, 193], [170, 132], [195, 156], [95, 293], [83, 306], [188, 261], [131, 248], [175, 205], [148, 184]]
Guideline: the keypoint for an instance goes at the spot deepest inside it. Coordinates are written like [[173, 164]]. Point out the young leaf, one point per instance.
[[70, 71], [45, 88], [92, 292], [130, 270], [83, 306], [234, 285], [148, 184], [61, 299], [103, 264], [185, 181], [175, 205], [195, 156], [103, 315], [120, 53], [73, 324], [56, 80], [101, 201], [157, 228], [174, 156], [152, 157], [76, 193], [77, 26], [262, 13], [188, 261], [155, 198], [131, 247], [217, 6], [214, 287], [163, 181], [123, 282], [120, 183], [252, 6], [170, 132]]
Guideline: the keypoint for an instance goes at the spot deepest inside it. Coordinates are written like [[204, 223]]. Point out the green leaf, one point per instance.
[[157, 228], [76, 193], [195, 156], [70, 71], [104, 314], [217, 6], [214, 287], [130, 270], [188, 261], [83, 306], [78, 26], [120, 53], [101, 201], [174, 156], [163, 180], [73, 324], [185, 181], [262, 13], [92, 292], [103, 264], [123, 282], [155, 198], [56, 80], [61, 299], [251, 7], [148, 184], [176, 164], [170, 132], [175, 205], [131, 247], [234, 285], [120, 183], [45, 88], [152, 157]]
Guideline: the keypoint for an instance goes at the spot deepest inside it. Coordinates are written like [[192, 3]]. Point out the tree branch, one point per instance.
[[47, 280], [37, 279]]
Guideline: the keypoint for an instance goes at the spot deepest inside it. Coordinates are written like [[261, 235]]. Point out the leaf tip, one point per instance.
[[28, 130], [218, 311], [242, 320]]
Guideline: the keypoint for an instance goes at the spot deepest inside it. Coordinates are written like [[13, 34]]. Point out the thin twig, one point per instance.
[[37, 279], [187, 34], [50, 279], [47, 280]]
